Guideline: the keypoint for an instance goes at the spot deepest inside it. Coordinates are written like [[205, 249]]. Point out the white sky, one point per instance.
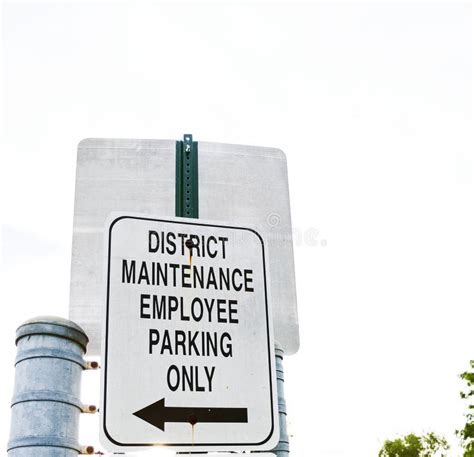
[[372, 104]]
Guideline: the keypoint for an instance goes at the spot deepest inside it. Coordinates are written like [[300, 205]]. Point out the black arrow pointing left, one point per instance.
[[157, 414]]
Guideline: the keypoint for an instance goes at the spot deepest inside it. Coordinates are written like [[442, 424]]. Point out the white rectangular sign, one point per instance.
[[188, 357]]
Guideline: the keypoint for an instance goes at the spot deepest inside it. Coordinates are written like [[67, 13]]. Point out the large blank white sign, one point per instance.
[[238, 184]]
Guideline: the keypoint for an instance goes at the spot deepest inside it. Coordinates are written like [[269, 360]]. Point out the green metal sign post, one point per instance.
[[187, 205], [187, 190]]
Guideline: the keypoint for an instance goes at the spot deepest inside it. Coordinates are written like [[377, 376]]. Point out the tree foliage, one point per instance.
[[467, 433], [428, 445]]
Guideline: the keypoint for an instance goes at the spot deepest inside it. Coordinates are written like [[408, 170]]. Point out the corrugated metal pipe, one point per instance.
[[283, 447], [46, 405]]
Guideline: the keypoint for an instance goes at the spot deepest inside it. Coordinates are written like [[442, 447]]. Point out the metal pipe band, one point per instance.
[[44, 441], [47, 395], [54, 326], [50, 353]]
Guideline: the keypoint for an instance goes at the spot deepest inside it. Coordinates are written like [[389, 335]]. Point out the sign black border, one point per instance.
[[194, 445]]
